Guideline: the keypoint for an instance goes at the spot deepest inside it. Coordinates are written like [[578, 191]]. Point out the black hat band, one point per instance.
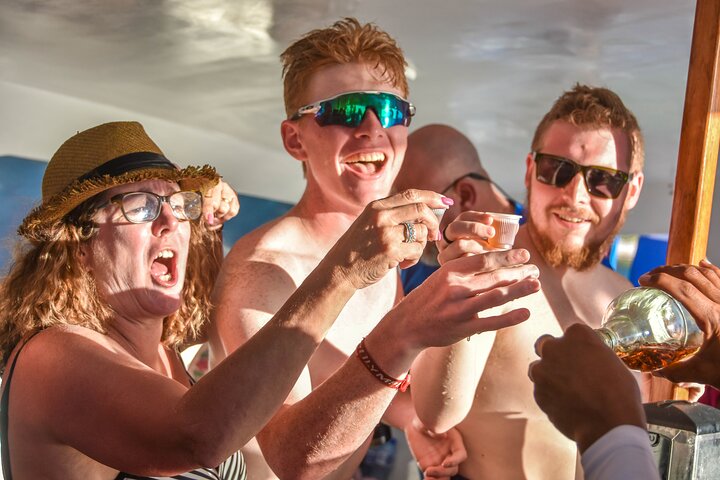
[[128, 163]]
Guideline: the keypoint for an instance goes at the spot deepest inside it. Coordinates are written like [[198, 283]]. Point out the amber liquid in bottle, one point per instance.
[[650, 357], [649, 330]]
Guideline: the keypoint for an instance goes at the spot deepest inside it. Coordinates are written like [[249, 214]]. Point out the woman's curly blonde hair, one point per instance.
[[346, 41], [47, 285]]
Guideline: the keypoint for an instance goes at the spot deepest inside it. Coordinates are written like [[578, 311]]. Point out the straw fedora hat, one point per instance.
[[101, 158]]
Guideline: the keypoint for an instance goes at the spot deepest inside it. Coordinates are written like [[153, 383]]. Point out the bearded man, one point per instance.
[[583, 174]]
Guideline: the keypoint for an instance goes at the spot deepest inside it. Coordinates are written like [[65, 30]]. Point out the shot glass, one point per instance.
[[506, 227], [439, 212]]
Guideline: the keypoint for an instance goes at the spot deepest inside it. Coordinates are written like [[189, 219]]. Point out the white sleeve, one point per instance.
[[622, 453]]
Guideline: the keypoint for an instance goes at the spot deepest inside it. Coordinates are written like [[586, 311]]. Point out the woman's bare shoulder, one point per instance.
[[63, 350]]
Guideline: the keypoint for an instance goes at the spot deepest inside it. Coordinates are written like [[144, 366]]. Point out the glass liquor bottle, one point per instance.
[[649, 329]]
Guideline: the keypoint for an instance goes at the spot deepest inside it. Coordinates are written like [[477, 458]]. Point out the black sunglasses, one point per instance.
[[557, 171]]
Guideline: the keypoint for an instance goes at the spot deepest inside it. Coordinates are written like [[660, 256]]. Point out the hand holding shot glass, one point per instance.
[[506, 227], [478, 232], [487, 234]]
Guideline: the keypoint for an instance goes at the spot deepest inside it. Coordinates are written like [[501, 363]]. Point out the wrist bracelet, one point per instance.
[[377, 372]]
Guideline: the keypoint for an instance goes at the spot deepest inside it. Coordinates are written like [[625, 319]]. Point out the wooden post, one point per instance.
[[697, 156]]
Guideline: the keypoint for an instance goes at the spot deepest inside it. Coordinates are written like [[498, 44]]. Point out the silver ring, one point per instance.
[[409, 232]]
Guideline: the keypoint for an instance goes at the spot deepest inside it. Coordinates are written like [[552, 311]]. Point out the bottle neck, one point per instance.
[[608, 337]]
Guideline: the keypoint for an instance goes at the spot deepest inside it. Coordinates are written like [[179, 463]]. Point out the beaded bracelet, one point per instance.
[[377, 372]]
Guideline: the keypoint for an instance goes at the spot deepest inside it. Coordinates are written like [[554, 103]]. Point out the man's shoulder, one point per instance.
[[275, 246], [597, 277], [597, 284], [274, 233], [610, 279]]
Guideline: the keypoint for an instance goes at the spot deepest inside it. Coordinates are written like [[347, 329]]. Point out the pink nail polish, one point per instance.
[[448, 201], [438, 237], [209, 218]]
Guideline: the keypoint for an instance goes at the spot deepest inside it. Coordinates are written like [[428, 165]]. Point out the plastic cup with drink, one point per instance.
[[506, 227]]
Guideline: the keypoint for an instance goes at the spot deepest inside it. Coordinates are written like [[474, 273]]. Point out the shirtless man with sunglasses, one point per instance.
[[347, 122], [583, 174]]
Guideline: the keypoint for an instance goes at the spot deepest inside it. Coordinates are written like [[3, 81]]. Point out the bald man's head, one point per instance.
[[436, 156]]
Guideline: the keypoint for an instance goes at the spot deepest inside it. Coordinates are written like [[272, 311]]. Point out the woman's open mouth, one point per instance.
[[164, 268]]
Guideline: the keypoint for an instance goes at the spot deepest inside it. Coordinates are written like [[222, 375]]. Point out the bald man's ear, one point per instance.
[[292, 139], [466, 190]]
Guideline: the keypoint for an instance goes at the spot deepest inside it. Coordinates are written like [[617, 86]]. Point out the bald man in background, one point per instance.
[[441, 159]]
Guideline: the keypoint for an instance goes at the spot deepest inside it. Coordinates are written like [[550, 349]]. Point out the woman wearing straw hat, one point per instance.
[[115, 279]]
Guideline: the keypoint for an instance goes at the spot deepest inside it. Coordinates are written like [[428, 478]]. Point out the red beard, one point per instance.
[[558, 254]]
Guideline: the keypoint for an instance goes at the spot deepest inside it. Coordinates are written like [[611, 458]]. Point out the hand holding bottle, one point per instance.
[[584, 389], [698, 289], [649, 329]]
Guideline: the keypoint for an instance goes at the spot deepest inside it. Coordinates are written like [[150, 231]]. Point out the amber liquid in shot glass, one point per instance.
[[506, 227]]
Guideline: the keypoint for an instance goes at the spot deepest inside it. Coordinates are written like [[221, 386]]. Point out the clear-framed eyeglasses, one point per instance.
[[143, 207]]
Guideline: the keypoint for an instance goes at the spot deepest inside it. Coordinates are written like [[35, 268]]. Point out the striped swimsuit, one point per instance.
[[231, 469]]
